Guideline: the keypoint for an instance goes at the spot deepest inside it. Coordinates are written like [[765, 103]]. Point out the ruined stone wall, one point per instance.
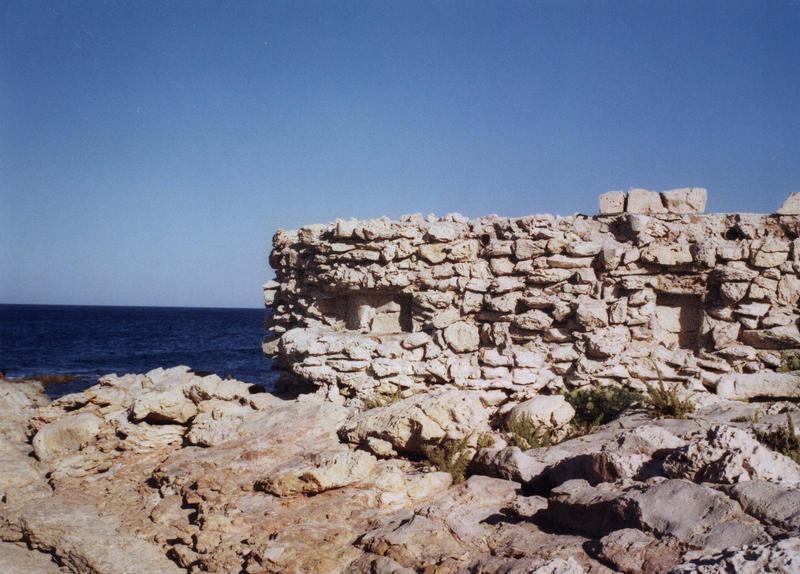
[[649, 289]]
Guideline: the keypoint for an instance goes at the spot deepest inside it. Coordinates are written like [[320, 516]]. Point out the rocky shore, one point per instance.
[[583, 394], [171, 471]]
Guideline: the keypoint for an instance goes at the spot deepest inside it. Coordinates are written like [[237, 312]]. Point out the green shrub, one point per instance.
[[666, 402], [752, 419], [382, 399], [598, 405], [781, 439], [450, 455], [789, 362], [525, 434], [485, 440]]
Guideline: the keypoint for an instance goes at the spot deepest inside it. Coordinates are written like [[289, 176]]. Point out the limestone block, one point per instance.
[[643, 201], [791, 206], [611, 203], [784, 337], [611, 256], [583, 249], [506, 284], [525, 358], [618, 311], [733, 291], [789, 289], [742, 387], [688, 200], [543, 276], [607, 341], [415, 340], [524, 376], [498, 248], [545, 410], [462, 337], [533, 320], [493, 358], [733, 250], [65, 434], [528, 249], [667, 254], [752, 309], [433, 253], [501, 266], [442, 231], [591, 313], [464, 251], [724, 334], [770, 253], [565, 262]]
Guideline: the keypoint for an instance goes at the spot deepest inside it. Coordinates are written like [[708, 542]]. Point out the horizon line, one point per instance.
[[125, 306]]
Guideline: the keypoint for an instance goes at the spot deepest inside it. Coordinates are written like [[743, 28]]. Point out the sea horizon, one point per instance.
[[114, 306]]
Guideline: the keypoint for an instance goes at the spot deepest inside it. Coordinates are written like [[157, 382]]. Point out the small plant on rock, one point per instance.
[[789, 362], [450, 455], [382, 399], [525, 434], [485, 440], [598, 406], [666, 402], [781, 439]]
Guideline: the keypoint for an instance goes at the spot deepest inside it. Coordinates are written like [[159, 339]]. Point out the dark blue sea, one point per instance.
[[88, 342]]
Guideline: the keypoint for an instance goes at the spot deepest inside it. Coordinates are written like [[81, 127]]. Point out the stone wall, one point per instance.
[[649, 289]]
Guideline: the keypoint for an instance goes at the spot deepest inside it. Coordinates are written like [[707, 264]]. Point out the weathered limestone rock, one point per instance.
[[728, 455], [781, 337], [780, 557], [317, 472], [776, 505], [551, 411], [631, 550], [791, 206], [591, 313], [65, 434], [689, 200], [411, 423], [643, 201], [705, 518], [607, 341], [667, 255], [612, 203], [462, 337]]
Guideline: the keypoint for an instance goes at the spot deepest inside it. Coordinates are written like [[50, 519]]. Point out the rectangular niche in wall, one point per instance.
[[375, 312], [678, 319]]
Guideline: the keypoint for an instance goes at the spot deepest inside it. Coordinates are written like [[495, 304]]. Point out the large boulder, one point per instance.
[[550, 411], [726, 455], [746, 386], [409, 424], [704, 518], [782, 557], [65, 434]]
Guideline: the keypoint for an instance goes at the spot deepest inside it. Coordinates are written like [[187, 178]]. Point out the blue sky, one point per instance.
[[149, 150]]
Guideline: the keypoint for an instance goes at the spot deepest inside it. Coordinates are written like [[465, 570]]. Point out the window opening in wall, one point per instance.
[[678, 319], [375, 312], [734, 233]]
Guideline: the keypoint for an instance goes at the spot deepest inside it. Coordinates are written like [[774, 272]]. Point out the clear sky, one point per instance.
[[149, 150]]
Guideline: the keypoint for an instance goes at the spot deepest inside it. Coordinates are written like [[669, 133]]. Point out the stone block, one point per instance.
[[611, 203]]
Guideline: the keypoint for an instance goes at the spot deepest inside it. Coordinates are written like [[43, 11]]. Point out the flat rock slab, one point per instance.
[[16, 558]]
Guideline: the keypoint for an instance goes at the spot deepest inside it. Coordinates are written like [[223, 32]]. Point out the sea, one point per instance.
[[86, 342]]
